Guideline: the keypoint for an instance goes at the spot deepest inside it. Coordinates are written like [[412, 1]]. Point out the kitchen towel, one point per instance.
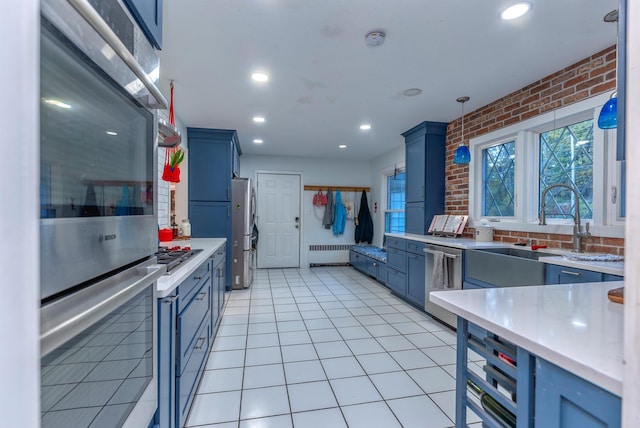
[[364, 225], [327, 219], [440, 275]]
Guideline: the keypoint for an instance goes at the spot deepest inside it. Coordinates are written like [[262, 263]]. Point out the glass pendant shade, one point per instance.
[[608, 118], [462, 155]]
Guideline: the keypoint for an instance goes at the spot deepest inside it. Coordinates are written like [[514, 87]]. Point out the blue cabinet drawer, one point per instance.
[[189, 323], [397, 281], [187, 381], [382, 273], [609, 277], [564, 275], [370, 266], [397, 259], [190, 286], [399, 243], [416, 247]]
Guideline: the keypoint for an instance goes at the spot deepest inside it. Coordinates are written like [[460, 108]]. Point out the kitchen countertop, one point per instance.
[[168, 282], [462, 243], [574, 326], [613, 268]]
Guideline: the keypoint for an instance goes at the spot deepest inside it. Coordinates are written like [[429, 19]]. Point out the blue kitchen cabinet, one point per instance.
[[213, 162], [564, 400], [416, 290], [184, 341], [148, 15], [425, 155], [609, 277], [556, 274], [397, 265], [406, 269]]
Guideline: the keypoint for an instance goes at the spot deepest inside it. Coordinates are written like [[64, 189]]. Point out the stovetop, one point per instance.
[[174, 257]]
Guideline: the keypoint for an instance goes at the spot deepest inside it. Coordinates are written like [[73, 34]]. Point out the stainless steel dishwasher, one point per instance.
[[453, 266]]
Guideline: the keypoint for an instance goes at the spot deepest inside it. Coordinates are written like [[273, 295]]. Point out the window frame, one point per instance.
[[386, 173], [606, 172]]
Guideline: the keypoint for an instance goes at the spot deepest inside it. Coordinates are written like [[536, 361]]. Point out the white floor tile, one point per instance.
[[232, 330], [413, 412], [332, 349], [261, 402], [433, 379], [395, 385], [378, 363], [324, 418], [349, 333], [342, 367], [221, 380], [294, 338], [354, 390], [364, 346], [318, 323], [345, 322], [284, 326], [370, 415], [424, 340], [336, 313], [262, 328], [412, 359], [447, 402], [283, 421], [263, 376], [395, 343], [229, 343], [262, 340], [325, 335], [441, 355], [311, 396], [261, 356], [298, 353], [225, 359], [214, 408], [371, 320], [448, 337], [304, 371], [288, 316], [380, 330]]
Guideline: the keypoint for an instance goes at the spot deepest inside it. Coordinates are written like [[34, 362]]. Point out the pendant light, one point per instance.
[[462, 155], [608, 117]]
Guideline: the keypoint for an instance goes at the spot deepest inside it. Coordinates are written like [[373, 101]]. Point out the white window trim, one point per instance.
[[386, 172], [526, 190]]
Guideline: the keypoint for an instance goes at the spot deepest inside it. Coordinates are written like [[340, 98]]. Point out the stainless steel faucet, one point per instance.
[[578, 234]]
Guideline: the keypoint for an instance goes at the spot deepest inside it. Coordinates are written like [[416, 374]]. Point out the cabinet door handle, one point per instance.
[[199, 343], [568, 272], [198, 278], [375, 264], [170, 299], [201, 294]]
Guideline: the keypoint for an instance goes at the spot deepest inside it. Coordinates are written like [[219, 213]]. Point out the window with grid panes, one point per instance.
[[394, 212], [498, 170]]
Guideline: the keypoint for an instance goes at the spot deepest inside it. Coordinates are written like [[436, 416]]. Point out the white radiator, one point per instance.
[[328, 254]]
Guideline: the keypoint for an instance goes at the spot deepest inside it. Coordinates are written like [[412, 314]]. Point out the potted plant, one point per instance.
[[174, 158]]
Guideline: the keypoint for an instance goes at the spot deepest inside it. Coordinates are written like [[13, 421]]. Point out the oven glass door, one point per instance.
[[96, 140], [96, 378]]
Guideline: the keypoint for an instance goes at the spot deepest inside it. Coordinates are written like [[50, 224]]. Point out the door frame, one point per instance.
[[302, 255]]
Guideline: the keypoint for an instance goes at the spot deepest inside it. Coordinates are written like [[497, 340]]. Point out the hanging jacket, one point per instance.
[[364, 228], [340, 216], [327, 218]]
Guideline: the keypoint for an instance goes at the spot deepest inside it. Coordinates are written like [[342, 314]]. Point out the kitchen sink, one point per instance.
[[504, 267]]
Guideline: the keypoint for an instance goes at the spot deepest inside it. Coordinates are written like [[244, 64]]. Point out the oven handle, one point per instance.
[[450, 256], [67, 317], [96, 21]]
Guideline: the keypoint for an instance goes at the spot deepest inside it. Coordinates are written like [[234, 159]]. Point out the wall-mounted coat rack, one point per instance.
[[341, 188]]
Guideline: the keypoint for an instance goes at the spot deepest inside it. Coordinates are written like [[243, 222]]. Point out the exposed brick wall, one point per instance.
[[589, 77]]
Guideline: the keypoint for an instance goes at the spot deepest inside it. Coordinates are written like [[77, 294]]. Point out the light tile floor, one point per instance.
[[327, 348]]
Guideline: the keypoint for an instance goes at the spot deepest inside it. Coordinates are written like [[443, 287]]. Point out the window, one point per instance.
[[511, 167], [394, 212]]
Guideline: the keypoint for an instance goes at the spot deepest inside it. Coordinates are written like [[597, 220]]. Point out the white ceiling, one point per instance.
[[324, 80]]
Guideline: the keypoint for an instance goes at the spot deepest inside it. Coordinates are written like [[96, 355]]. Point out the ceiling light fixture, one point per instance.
[[56, 103], [375, 38], [258, 119], [112, 133], [257, 141], [260, 77], [365, 127], [412, 92], [342, 146], [608, 117], [462, 155], [515, 11]]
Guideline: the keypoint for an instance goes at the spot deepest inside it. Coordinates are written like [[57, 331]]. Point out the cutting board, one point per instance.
[[616, 295]]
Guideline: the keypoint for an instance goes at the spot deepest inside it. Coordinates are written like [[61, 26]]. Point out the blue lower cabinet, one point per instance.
[[396, 280], [609, 277], [167, 318], [564, 400], [416, 279], [564, 275]]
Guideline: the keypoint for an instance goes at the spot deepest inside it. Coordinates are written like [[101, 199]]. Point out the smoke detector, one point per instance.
[[375, 38]]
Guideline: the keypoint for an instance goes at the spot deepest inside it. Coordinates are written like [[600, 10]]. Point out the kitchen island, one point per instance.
[[567, 336]]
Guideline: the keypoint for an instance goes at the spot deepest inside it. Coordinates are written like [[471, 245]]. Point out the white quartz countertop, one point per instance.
[[613, 268], [574, 326], [168, 282], [462, 243]]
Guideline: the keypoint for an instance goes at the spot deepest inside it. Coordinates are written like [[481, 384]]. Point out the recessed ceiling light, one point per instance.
[[374, 38], [112, 133], [412, 92], [365, 126], [257, 141], [258, 119], [260, 77], [342, 146], [515, 11], [56, 103]]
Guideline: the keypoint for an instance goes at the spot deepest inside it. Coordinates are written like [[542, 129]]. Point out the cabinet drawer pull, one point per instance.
[[198, 278], [568, 272], [375, 264], [199, 343], [201, 294], [170, 299]]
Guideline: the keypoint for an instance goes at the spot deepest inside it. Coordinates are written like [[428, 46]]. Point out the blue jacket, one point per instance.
[[340, 215]]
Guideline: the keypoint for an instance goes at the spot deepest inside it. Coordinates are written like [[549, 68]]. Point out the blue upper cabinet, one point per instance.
[[425, 154], [148, 15]]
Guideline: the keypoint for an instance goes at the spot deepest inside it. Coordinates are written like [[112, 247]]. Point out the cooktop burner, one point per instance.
[[174, 257]]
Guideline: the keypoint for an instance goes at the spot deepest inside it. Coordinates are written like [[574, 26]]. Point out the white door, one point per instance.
[[278, 220]]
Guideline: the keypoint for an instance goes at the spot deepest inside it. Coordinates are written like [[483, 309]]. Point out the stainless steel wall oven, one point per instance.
[[98, 227]]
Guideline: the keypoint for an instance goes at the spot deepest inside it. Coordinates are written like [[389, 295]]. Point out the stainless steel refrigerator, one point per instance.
[[242, 245]]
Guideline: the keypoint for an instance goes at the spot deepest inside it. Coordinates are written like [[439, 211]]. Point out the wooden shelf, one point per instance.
[[341, 188]]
